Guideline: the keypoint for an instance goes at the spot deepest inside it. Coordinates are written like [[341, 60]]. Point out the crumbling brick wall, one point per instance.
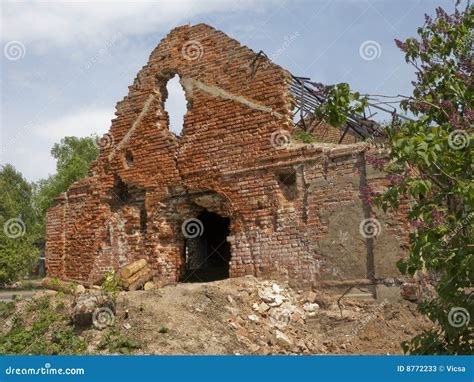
[[330, 134], [294, 208]]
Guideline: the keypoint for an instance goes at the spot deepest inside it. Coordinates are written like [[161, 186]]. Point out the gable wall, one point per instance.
[[228, 148]]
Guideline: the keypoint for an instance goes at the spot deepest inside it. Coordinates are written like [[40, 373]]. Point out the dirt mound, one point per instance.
[[244, 316], [251, 316]]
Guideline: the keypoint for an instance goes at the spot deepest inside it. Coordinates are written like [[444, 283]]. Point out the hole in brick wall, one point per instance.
[[175, 105], [208, 256], [129, 158], [120, 194], [121, 189], [287, 182]]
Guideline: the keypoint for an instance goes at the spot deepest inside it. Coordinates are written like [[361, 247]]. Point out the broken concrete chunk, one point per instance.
[[278, 300], [310, 307], [310, 297], [253, 318], [282, 340], [266, 294], [276, 288], [262, 307]]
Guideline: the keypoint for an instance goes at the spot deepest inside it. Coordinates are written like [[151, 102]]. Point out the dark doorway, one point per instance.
[[207, 256]]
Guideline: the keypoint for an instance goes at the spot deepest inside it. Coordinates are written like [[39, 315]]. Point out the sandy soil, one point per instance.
[[221, 318]]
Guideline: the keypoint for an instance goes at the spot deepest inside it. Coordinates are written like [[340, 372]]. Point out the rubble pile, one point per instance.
[[278, 316], [280, 307]]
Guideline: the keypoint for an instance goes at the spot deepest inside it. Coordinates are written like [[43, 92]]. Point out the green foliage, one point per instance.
[[49, 332], [6, 309], [340, 101], [436, 151], [163, 330], [118, 343], [437, 148], [27, 204], [430, 165], [304, 136], [18, 230], [111, 283], [73, 157]]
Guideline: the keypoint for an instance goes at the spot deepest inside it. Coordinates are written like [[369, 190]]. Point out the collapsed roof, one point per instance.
[[309, 98]]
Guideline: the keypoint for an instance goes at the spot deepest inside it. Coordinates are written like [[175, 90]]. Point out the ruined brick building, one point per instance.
[[234, 193]]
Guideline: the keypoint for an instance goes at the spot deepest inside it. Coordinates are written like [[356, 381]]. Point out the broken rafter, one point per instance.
[[309, 99]]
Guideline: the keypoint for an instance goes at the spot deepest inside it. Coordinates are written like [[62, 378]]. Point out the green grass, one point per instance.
[[7, 309], [50, 331], [115, 342]]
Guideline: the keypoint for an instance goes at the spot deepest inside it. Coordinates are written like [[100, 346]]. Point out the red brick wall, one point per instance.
[[330, 134], [226, 151]]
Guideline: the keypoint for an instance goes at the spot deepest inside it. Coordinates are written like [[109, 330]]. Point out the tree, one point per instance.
[[18, 226], [73, 157], [23, 206], [430, 163], [435, 156]]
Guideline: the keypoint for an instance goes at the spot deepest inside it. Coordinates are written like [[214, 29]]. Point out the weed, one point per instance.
[[304, 136], [48, 331], [115, 342], [7, 309], [111, 283]]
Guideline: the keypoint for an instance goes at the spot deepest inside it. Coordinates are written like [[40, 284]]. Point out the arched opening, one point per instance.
[[207, 257], [175, 105]]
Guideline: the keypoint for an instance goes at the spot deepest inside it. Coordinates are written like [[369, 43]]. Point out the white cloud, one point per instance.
[[34, 164], [80, 123], [28, 149], [46, 25], [58, 33]]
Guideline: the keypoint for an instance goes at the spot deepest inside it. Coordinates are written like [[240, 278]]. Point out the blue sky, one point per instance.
[[64, 65]]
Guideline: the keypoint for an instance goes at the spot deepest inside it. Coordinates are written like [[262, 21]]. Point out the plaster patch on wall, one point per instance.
[[190, 84]]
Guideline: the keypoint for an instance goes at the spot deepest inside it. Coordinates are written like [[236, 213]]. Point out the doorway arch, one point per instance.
[[207, 256]]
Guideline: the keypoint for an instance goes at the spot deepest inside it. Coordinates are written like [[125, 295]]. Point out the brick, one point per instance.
[[148, 181]]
